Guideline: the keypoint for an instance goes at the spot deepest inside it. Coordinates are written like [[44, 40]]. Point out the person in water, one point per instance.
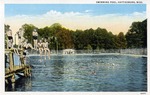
[[35, 36]]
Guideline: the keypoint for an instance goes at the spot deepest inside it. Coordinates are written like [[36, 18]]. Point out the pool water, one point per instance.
[[94, 73]]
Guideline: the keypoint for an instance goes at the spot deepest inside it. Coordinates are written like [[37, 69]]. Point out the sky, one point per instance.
[[113, 17]]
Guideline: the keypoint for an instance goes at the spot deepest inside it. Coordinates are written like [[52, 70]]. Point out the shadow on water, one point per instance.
[[21, 84], [85, 73]]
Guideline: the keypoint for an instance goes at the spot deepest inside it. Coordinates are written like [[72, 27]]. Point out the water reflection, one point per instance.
[[21, 84]]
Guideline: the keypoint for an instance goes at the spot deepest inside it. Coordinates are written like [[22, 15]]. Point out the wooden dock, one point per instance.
[[11, 70]]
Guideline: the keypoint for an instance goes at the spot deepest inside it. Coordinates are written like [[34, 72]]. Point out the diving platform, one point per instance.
[[15, 65]]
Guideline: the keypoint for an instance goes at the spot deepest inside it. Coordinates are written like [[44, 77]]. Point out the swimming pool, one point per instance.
[[86, 72]]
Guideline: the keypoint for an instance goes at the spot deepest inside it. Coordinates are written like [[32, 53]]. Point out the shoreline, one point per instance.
[[133, 55]]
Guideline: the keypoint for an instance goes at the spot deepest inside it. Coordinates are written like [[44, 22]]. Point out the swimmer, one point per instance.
[[93, 73]]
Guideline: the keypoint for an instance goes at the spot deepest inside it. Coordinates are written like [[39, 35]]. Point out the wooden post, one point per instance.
[[6, 81], [13, 81], [21, 58], [11, 61], [29, 72], [13, 78], [13, 69]]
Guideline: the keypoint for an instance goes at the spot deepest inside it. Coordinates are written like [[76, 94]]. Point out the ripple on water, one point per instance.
[[87, 73]]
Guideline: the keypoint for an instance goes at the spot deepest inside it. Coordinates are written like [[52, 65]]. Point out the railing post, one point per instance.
[[22, 58], [13, 81], [11, 63]]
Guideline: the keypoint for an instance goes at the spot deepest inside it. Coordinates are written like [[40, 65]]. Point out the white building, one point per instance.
[[68, 51]]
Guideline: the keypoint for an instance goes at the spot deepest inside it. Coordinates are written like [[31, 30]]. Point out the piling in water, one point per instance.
[[15, 68]]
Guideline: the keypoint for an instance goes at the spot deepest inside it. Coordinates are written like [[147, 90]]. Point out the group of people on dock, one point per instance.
[[38, 45]]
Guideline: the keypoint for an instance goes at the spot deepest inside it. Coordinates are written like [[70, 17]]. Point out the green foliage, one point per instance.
[[77, 39], [89, 39], [64, 39], [122, 43], [88, 47], [28, 28], [137, 35]]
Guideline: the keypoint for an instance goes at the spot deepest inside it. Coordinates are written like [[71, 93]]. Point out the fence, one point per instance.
[[141, 51]]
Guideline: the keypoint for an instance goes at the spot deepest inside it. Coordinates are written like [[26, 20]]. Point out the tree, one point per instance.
[[28, 28], [44, 32], [77, 39], [55, 28], [65, 39], [137, 35], [144, 33], [121, 40], [62, 38]]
